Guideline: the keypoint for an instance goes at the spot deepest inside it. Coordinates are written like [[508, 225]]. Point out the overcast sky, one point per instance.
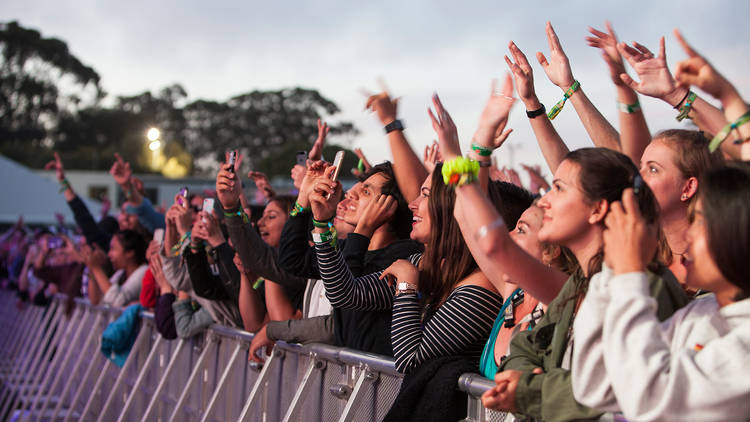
[[220, 49]]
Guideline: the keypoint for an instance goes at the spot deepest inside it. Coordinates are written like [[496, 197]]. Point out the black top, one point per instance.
[[91, 231]]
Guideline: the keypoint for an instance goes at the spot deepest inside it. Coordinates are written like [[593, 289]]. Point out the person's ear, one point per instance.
[[689, 189], [599, 211]]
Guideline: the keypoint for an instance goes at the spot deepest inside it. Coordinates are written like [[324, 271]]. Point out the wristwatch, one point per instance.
[[394, 125], [404, 287]]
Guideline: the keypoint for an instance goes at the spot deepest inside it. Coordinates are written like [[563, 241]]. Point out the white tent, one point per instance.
[[35, 198]]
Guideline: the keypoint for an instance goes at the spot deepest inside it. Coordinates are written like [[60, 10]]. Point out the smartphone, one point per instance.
[[55, 242], [159, 236], [208, 206], [182, 199], [302, 158], [637, 184], [232, 160], [337, 163]]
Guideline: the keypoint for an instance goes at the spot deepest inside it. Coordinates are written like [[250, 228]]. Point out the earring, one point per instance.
[[684, 197]]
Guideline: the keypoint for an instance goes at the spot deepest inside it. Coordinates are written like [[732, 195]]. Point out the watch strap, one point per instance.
[[394, 125]]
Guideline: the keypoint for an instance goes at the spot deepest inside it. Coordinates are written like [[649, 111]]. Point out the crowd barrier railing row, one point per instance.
[[52, 369]]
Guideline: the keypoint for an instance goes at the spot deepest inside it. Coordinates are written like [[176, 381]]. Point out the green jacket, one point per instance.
[[549, 396]]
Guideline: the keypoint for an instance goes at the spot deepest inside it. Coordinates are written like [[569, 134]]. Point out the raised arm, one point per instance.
[[487, 236], [406, 164], [697, 71], [634, 133], [559, 73], [552, 146]]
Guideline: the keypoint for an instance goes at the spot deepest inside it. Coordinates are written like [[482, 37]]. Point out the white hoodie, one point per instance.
[[695, 366]]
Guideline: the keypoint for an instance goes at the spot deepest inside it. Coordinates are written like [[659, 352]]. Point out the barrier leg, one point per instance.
[[155, 396], [211, 342], [141, 376], [357, 394], [222, 381], [307, 381], [94, 363], [258, 387], [139, 343], [93, 333]]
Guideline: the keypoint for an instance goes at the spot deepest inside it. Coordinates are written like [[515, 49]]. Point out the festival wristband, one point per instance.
[[297, 209], [239, 212], [560, 104], [64, 185], [480, 150], [322, 224], [329, 236], [724, 132], [629, 108], [685, 109], [535, 113]]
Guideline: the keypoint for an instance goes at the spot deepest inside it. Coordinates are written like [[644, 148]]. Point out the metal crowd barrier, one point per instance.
[[51, 369]]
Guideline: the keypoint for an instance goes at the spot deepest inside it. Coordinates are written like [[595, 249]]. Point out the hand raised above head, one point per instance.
[[697, 71], [446, 130], [524, 77], [56, 164], [121, 171], [431, 156], [558, 67], [317, 149], [324, 196], [607, 43], [655, 78], [228, 183], [382, 104], [495, 114]]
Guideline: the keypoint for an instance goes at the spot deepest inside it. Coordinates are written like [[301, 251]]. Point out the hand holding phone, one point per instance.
[[232, 160], [208, 207], [182, 199], [337, 164]]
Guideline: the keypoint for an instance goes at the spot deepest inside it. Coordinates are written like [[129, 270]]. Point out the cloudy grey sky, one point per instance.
[[220, 49]]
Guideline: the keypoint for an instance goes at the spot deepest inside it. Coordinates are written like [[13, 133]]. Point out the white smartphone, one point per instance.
[[159, 236], [337, 163], [208, 206]]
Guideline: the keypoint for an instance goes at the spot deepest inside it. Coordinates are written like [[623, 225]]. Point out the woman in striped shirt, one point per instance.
[[443, 305]]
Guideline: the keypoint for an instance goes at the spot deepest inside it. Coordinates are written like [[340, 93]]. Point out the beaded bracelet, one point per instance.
[[239, 213], [179, 245], [685, 109], [724, 132], [460, 171], [560, 104]]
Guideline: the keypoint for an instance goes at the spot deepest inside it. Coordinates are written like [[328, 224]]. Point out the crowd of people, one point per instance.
[[615, 291]]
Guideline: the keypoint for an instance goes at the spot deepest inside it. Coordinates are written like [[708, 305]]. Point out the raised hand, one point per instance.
[[317, 149], [209, 229], [431, 156], [314, 170], [262, 184], [323, 198], [558, 67], [181, 216], [445, 129], [366, 166], [697, 71], [655, 78], [524, 77], [382, 104], [58, 166], [607, 42], [537, 180], [228, 184], [121, 171], [494, 117], [629, 242]]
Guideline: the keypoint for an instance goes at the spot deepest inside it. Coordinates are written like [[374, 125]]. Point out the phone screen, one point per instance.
[[232, 160], [337, 163], [302, 158], [159, 236], [183, 197]]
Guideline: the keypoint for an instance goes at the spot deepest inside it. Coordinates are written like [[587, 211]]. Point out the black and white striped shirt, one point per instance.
[[459, 327]]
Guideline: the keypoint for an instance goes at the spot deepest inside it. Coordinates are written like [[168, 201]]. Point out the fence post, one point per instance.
[[211, 342], [252, 399]]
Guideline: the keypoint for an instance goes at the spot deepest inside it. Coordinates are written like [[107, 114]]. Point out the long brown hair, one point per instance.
[[447, 259], [605, 174]]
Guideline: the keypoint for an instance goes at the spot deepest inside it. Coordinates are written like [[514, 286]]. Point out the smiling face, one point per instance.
[[566, 209], [660, 172], [420, 228], [117, 254], [271, 224], [342, 227], [360, 196]]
